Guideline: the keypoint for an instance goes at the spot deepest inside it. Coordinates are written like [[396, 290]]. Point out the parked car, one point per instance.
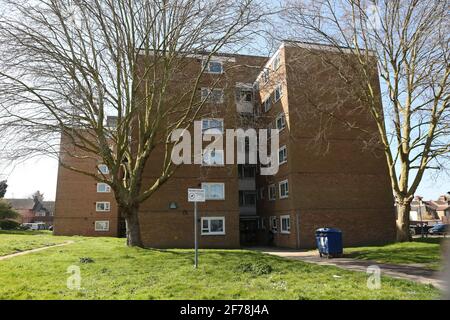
[[439, 229], [34, 226]]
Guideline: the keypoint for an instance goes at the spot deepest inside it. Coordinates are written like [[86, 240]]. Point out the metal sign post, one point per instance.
[[196, 195]]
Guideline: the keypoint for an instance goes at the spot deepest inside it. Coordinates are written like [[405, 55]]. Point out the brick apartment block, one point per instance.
[[346, 187]]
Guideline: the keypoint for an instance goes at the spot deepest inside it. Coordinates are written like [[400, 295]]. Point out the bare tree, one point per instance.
[[407, 42], [67, 65]]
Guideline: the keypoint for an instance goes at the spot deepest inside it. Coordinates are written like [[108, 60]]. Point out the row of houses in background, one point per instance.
[[34, 209], [431, 209]]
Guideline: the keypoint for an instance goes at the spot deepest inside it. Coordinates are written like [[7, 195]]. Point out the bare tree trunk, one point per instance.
[[131, 215], [403, 209]]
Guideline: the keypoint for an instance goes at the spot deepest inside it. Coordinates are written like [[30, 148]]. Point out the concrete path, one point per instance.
[[35, 250], [408, 272]]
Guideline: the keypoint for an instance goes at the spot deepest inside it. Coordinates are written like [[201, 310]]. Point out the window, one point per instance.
[[102, 168], [215, 95], [284, 189], [101, 225], [285, 222], [212, 126], [213, 157], [40, 213], [102, 206], [266, 105], [276, 62], [282, 155], [265, 76], [273, 224], [281, 121], [213, 226], [272, 192], [103, 188], [278, 93], [215, 67], [246, 95], [214, 191]]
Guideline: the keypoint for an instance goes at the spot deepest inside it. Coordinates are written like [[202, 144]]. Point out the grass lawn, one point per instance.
[[17, 241], [424, 252], [110, 270]]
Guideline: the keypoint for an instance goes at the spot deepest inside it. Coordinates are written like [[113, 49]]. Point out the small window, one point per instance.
[[285, 222], [284, 189], [276, 62], [212, 126], [101, 225], [246, 95], [274, 224], [215, 95], [214, 191], [213, 225], [213, 157], [281, 121], [103, 188], [103, 168], [102, 206], [282, 155], [278, 93], [266, 105], [215, 67], [265, 76], [272, 192]]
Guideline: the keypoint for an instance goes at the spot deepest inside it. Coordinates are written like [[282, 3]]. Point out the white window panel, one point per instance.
[[213, 225], [285, 222], [274, 224], [276, 62], [267, 104], [102, 206], [284, 189], [103, 168], [215, 95], [103, 188], [282, 155], [215, 67], [101, 225], [212, 126], [213, 157], [281, 121], [214, 190], [278, 93]]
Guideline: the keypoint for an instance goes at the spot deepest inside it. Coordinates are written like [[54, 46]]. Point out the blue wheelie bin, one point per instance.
[[329, 242]]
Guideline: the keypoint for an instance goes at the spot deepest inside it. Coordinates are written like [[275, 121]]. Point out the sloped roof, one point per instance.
[[19, 204]]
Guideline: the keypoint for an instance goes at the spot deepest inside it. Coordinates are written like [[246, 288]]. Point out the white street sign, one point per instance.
[[196, 195]]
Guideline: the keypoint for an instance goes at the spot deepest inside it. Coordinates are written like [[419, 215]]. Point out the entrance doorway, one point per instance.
[[249, 231]]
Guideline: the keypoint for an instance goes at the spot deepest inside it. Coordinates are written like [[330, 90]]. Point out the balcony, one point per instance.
[[244, 98], [247, 203]]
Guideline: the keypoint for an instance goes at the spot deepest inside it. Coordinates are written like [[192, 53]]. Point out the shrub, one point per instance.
[[9, 225], [258, 268], [86, 260]]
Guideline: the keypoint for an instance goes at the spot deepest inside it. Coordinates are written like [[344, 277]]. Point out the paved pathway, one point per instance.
[[408, 272], [35, 250]]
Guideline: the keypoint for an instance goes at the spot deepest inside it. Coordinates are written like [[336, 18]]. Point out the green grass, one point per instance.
[[113, 271], [17, 241], [423, 252]]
